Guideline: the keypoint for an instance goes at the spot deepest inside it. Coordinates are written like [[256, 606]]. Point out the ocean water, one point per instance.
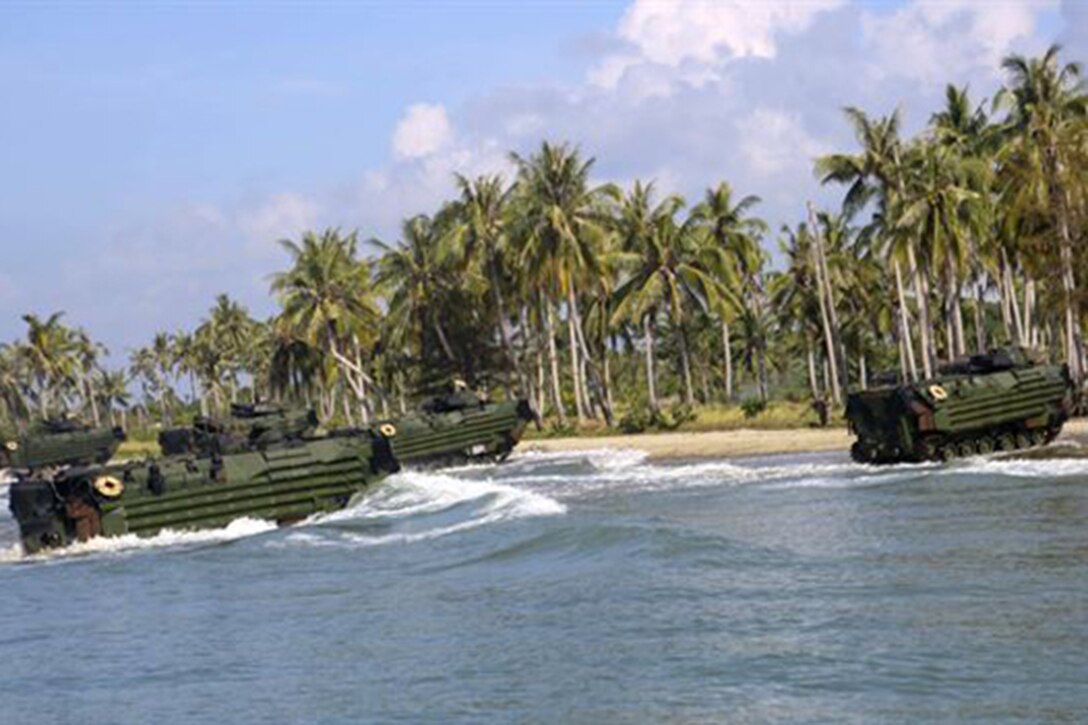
[[592, 587]]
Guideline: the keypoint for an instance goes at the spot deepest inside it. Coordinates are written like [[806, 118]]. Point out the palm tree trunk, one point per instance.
[[575, 363], [925, 323], [980, 320], [727, 360], [591, 377], [446, 349], [553, 360], [1030, 336], [606, 366], [1003, 296], [956, 310], [761, 368], [904, 324], [829, 341], [540, 385], [1014, 309], [651, 386], [685, 362], [810, 356], [1074, 342], [500, 312], [92, 399]]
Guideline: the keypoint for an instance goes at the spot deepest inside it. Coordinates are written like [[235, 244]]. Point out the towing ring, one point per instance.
[[109, 486], [387, 429], [938, 392]]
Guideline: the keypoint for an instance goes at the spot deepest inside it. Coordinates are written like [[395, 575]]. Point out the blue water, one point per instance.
[[593, 587]]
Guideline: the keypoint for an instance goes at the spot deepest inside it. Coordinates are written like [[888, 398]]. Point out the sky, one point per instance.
[[153, 154]]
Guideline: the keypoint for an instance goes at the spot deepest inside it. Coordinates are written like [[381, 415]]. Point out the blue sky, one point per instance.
[[154, 153]]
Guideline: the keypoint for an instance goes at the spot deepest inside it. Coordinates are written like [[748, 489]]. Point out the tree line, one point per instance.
[[596, 301]]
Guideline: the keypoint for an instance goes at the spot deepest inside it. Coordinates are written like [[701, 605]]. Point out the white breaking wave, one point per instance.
[[1022, 467], [418, 502], [601, 459], [131, 543]]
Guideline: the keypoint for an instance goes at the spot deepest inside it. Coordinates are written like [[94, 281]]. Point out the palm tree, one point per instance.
[[480, 236], [940, 209], [1047, 114], [561, 226], [87, 353], [736, 258], [878, 171], [48, 351], [668, 271], [12, 382], [970, 136], [327, 301], [411, 277], [114, 394], [795, 297]]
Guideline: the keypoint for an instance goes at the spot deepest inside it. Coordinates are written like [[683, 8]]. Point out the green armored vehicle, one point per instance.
[[65, 492], [456, 428], [1000, 401]]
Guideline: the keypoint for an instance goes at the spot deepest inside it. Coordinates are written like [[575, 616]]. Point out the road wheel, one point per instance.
[[984, 445]]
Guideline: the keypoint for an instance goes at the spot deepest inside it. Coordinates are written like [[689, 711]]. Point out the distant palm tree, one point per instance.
[[411, 274], [668, 272], [327, 301], [735, 256], [48, 351], [480, 236], [1045, 151], [562, 223]]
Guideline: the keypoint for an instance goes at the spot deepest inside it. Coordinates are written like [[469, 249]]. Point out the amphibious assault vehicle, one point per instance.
[[457, 428], [1000, 401], [65, 492], [261, 462]]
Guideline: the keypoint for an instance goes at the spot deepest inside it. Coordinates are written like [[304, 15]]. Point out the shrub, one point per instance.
[[753, 407]]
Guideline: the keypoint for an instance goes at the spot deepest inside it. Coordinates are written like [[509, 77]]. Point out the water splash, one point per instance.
[[417, 506], [131, 543]]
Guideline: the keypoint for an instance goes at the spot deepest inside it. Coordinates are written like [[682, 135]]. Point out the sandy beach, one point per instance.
[[745, 442]]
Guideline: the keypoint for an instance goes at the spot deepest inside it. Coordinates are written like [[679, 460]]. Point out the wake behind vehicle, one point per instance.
[[1001, 401]]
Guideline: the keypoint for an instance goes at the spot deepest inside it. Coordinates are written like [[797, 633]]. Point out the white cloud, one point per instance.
[[424, 130], [694, 35], [928, 41], [775, 141], [282, 215], [706, 30]]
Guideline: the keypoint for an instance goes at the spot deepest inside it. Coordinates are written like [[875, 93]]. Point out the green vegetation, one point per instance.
[[617, 308]]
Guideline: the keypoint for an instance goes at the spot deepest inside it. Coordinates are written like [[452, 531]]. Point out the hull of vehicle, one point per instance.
[[1020, 406]]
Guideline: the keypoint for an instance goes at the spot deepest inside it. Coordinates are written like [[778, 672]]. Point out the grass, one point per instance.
[[137, 449], [779, 415]]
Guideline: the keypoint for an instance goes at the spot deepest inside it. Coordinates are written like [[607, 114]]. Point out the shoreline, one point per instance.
[[736, 443]]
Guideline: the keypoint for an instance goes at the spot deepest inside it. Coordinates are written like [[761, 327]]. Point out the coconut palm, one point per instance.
[[1047, 112], [327, 301], [735, 255], [561, 225]]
